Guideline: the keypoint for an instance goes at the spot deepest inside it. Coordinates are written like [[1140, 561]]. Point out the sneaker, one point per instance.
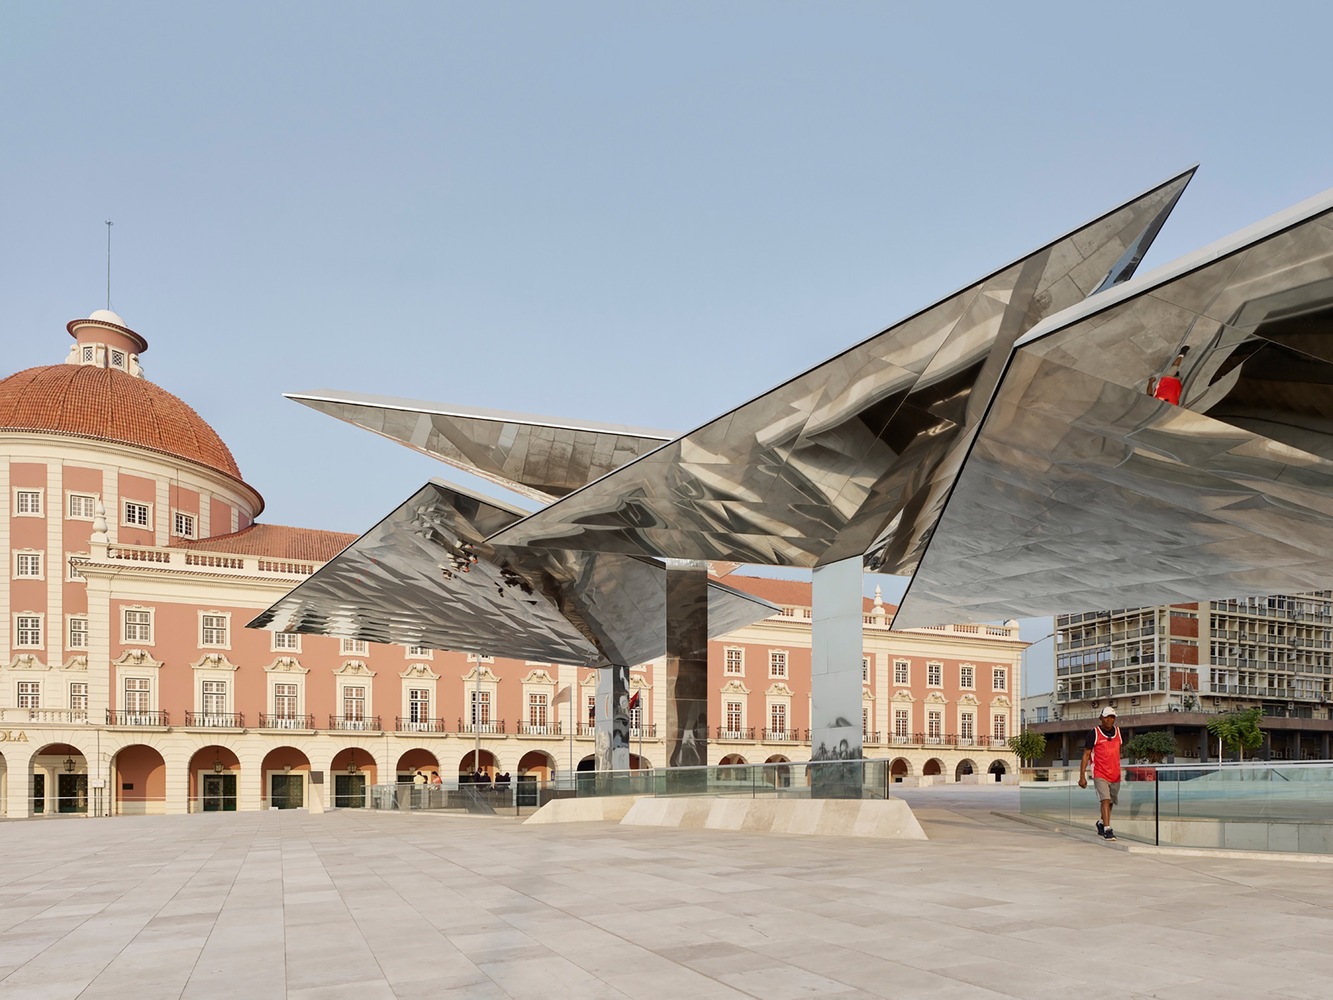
[[1101, 830], [1108, 833]]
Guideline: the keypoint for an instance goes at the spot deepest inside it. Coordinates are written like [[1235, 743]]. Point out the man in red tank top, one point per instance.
[[1102, 748]]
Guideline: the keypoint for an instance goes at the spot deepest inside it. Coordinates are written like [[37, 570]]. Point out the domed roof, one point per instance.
[[109, 405]]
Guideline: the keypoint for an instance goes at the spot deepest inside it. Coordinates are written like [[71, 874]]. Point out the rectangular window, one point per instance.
[[865, 670], [902, 724], [537, 708], [28, 631], [733, 712], [138, 695], [28, 503], [1000, 679], [419, 652], [28, 565], [636, 717], [935, 674], [285, 701], [212, 630], [353, 647], [29, 694], [865, 722], [967, 676], [481, 708], [777, 719], [82, 507], [900, 672], [137, 515], [214, 698], [967, 727], [735, 661], [78, 696], [182, 525], [72, 573], [78, 633], [138, 626], [999, 726], [354, 703], [418, 704], [934, 725], [287, 641], [592, 710], [777, 663]]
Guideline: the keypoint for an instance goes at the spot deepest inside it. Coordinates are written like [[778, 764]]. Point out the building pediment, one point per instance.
[[28, 661], [487, 675], [905, 696], [354, 668], [735, 687], [538, 676], [78, 662], [779, 690], [213, 661], [136, 658], [419, 672], [286, 665]]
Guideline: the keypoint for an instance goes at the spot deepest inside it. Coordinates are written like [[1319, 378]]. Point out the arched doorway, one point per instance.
[[900, 768], [59, 780], [538, 765], [998, 769], [411, 762], [214, 771], [472, 763], [286, 771], [732, 758], [139, 781], [933, 766], [965, 768], [779, 775], [353, 771]]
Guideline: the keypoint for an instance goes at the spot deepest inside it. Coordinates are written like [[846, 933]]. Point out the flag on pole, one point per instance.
[[634, 701]]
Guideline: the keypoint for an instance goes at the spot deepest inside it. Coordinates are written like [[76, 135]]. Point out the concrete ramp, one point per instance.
[[890, 819], [610, 809]]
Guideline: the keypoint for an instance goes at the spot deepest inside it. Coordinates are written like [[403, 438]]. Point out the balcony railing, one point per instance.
[[437, 726], [355, 723], [71, 716], [284, 721], [484, 728], [215, 720], [648, 732], [539, 729], [782, 735], [735, 734], [155, 720]]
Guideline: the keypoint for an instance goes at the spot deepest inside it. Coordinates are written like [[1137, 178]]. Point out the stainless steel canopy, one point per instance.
[[426, 576]]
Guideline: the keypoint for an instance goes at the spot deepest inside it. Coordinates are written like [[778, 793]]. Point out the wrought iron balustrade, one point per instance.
[[355, 723], [437, 726], [215, 720], [119, 717], [284, 721]]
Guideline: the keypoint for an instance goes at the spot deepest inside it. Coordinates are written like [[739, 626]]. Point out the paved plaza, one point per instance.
[[382, 905]]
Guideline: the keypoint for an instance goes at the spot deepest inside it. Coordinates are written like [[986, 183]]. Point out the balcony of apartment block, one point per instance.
[[539, 729], [137, 720], [951, 740], [744, 734], [433, 727], [783, 736], [282, 720], [495, 727], [47, 716], [356, 723], [214, 720]]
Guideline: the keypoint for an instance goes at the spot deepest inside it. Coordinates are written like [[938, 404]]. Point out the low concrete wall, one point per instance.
[[874, 818], [611, 809], [1235, 835]]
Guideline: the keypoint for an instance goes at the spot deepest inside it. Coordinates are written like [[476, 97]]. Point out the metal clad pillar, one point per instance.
[[837, 624], [613, 719], [686, 663]]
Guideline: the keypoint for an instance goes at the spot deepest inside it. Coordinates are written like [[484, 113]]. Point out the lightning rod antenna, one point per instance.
[[108, 264]]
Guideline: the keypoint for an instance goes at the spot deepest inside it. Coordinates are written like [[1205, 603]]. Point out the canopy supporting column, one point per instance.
[[837, 625]]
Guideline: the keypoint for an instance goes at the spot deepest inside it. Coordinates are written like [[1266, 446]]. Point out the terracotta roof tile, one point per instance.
[[276, 540]]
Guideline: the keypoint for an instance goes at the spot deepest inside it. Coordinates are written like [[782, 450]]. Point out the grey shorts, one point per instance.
[[1107, 790]]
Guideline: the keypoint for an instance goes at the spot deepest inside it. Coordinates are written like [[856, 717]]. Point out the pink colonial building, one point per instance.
[[129, 684]]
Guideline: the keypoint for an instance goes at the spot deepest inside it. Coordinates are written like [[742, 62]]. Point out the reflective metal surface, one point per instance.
[[1084, 492], [538, 457], [426, 576], [859, 453]]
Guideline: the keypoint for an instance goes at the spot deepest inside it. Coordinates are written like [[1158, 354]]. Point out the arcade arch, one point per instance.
[[286, 773], [139, 781], [59, 780], [214, 772], [965, 767]]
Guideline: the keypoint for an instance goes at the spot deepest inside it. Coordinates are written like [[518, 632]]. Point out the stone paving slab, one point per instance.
[[358, 905]]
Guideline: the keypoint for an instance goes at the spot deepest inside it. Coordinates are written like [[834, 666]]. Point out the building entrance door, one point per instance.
[[286, 790], [72, 793], [219, 793], [38, 793], [349, 791]]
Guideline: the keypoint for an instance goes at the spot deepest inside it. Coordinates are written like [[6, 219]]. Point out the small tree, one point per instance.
[[1154, 747], [1027, 746], [1239, 731]]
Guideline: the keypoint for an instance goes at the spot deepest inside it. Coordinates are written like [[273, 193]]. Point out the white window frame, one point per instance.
[[29, 565], [934, 674], [934, 725], [777, 713], [138, 715], [902, 723], [212, 714], [225, 628], [967, 676], [78, 696], [29, 622], [29, 502], [420, 653], [348, 694], [135, 507], [276, 644], [539, 710], [81, 499], [353, 647], [902, 673], [72, 634], [297, 694], [28, 695], [865, 669], [188, 520], [999, 725], [967, 726], [419, 695], [999, 679], [733, 661], [129, 630], [779, 664], [72, 574], [729, 716]]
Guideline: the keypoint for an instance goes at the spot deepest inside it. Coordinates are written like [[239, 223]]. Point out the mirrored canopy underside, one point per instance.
[[426, 576]]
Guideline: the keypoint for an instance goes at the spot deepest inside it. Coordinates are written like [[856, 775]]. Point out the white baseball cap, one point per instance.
[[1108, 710]]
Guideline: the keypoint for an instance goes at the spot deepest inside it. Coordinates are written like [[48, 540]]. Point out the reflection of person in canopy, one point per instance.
[[1167, 388]]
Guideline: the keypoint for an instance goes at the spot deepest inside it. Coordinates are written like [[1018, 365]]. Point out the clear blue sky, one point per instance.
[[633, 213]]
